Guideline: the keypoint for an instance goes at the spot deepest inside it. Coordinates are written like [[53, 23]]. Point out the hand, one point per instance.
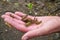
[[50, 24]]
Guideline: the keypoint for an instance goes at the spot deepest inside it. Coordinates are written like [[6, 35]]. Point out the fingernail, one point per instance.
[[16, 12], [25, 38], [5, 19], [3, 16]]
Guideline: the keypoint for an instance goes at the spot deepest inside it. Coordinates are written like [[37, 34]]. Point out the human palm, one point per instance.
[[48, 25]]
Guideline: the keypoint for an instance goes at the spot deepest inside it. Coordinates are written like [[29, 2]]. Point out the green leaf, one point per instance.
[[30, 5]]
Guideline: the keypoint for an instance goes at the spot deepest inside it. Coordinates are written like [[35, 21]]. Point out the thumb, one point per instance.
[[33, 33]]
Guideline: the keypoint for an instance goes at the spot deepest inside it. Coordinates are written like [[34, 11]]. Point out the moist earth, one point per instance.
[[40, 8]]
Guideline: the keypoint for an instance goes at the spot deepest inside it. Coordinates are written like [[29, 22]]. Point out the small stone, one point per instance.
[[36, 13], [6, 30]]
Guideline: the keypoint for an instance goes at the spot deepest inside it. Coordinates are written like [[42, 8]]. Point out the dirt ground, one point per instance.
[[40, 8]]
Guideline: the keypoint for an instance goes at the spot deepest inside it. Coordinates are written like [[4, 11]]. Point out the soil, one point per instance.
[[40, 8]]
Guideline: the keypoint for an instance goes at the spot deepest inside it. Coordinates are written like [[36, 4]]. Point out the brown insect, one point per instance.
[[29, 21], [8, 24]]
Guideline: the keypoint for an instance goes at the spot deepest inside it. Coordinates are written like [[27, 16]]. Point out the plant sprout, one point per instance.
[[30, 6]]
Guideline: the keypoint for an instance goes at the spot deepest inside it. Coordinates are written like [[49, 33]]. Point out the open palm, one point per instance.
[[49, 24]]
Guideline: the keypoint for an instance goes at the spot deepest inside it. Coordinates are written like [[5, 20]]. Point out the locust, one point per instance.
[[29, 21]]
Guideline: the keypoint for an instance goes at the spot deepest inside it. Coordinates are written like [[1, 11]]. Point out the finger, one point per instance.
[[22, 14], [4, 16], [8, 13], [16, 25], [47, 28], [16, 16], [12, 15], [19, 21]]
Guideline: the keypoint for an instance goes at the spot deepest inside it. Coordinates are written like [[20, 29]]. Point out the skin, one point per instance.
[[50, 24]]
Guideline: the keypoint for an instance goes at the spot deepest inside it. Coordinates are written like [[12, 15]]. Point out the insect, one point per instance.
[[8, 24], [29, 21]]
